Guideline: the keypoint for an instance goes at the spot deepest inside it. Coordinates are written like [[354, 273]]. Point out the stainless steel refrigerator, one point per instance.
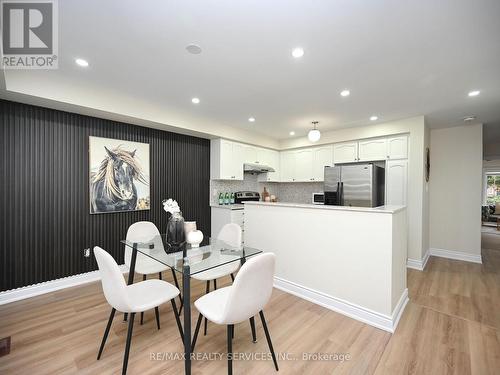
[[357, 185]]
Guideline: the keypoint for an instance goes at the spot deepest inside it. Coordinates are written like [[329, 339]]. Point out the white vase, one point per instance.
[[194, 238]]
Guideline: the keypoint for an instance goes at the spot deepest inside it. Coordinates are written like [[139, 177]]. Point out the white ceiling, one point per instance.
[[398, 58]]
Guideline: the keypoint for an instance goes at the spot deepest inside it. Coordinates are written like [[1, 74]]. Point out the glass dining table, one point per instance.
[[187, 261]]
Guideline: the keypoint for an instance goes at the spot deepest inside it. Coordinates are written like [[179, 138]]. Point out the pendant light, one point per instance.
[[314, 135]]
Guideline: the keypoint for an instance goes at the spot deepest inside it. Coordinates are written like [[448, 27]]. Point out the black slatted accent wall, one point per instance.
[[45, 220]]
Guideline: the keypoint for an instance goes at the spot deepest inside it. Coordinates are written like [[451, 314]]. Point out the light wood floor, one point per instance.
[[450, 326]]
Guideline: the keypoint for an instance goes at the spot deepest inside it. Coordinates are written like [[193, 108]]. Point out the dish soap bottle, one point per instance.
[[221, 198], [232, 198], [226, 198]]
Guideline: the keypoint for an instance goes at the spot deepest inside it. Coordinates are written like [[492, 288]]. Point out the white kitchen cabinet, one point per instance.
[[396, 182], [397, 147], [346, 152], [250, 154], [223, 215], [372, 149], [287, 166], [322, 157], [226, 160], [270, 158], [303, 165]]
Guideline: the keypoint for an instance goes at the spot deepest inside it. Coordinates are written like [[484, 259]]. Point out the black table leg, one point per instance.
[[177, 285], [186, 295], [131, 272]]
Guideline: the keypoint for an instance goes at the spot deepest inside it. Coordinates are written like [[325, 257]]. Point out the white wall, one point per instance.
[[417, 200], [455, 188]]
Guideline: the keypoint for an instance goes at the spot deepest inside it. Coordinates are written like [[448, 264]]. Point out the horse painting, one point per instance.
[[113, 187]]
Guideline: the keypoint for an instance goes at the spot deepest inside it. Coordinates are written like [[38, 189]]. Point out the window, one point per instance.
[[492, 188]]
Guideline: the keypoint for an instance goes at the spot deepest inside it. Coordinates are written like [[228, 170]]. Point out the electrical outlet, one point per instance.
[[86, 253]]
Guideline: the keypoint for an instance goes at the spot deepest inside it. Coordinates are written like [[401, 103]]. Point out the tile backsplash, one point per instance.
[[300, 192]]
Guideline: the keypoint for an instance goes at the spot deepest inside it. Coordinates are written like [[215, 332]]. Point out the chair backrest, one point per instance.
[[251, 289], [113, 284], [231, 234], [140, 232]]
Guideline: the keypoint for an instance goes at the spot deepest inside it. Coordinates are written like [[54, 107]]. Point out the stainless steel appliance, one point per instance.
[[257, 168], [242, 196], [318, 198], [358, 185]]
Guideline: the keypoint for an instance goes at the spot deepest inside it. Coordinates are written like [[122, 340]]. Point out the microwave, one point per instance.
[[318, 198]]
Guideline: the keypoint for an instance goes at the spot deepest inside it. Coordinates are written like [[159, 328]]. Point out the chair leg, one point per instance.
[[127, 345], [142, 313], [177, 319], [106, 332], [252, 326], [232, 278], [215, 284], [157, 313], [207, 289], [198, 324], [177, 285], [268, 338], [159, 276], [230, 349]]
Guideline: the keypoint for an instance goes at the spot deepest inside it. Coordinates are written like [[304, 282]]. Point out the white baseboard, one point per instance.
[[375, 319], [457, 255], [418, 264], [51, 286]]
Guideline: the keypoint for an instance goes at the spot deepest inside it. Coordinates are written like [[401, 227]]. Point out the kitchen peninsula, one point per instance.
[[348, 259]]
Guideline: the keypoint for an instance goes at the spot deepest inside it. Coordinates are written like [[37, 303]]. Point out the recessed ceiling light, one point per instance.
[[195, 100], [469, 118], [251, 119], [194, 49], [298, 52], [474, 93], [345, 93], [82, 62], [373, 118], [292, 133]]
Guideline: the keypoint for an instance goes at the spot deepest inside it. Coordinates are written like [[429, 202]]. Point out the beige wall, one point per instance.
[[455, 189], [417, 201]]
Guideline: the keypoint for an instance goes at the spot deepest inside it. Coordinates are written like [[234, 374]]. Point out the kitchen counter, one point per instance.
[[381, 209], [228, 206], [349, 259]]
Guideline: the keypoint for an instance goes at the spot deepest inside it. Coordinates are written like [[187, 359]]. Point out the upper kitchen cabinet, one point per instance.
[[397, 147], [372, 149], [303, 165], [322, 157], [346, 152], [250, 154], [287, 166], [270, 158], [226, 160]]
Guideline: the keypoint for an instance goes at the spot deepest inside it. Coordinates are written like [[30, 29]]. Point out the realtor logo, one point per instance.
[[29, 34]]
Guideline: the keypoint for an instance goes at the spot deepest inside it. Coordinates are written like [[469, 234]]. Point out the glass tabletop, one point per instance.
[[199, 259]]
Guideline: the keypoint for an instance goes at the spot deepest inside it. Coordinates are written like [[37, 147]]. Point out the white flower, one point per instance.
[[171, 206]]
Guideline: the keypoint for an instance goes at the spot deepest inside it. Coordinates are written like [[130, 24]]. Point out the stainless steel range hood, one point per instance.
[[256, 168]]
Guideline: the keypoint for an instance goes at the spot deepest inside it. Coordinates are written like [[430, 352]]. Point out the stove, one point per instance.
[[245, 196]]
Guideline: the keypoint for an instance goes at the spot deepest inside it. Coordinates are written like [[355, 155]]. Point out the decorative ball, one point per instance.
[[194, 238]]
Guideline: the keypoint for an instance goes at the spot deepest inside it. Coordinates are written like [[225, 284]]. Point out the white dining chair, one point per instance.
[[249, 294], [143, 231], [132, 299], [230, 234]]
